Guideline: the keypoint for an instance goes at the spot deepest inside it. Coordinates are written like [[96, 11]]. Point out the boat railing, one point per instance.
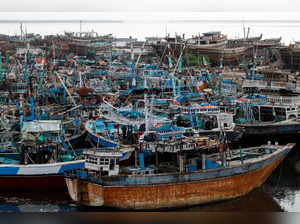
[[278, 85], [114, 114], [283, 100], [84, 174], [255, 83]]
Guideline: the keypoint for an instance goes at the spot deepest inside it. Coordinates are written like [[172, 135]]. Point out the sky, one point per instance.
[[149, 5]]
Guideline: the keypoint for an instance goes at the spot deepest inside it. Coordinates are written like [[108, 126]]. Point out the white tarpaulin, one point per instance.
[[42, 126]]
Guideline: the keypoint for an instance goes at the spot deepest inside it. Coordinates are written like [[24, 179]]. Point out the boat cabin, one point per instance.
[[104, 160], [273, 112], [278, 111], [138, 171]]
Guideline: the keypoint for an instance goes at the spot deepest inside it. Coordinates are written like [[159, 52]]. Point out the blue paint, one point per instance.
[[9, 170], [209, 164], [267, 151], [101, 141], [70, 167], [9, 207], [141, 160], [62, 139], [132, 75], [188, 177], [123, 157], [77, 122], [192, 168]]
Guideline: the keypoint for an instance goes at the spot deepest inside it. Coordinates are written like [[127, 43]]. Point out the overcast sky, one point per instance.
[[150, 5]]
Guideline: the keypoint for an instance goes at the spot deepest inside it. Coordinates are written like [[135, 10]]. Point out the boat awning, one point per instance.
[[206, 107], [42, 126]]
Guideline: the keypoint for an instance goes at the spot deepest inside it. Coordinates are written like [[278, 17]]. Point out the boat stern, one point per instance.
[[83, 188]]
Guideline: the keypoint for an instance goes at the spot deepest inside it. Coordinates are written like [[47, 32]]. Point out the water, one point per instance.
[[145, 24], [281, 192]]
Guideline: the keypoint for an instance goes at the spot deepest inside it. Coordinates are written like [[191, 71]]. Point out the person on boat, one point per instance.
[[124, 131]]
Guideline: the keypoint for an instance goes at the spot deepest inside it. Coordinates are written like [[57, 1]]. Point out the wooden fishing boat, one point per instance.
[[146, 188], [285, 127], [273, 42], [36, 177], [268, 116], [39, 159]]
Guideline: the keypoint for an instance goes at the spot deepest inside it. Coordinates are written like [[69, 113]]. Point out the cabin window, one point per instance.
[[112, 165], [92, 160], [280, 111], [102, 161], [288, 109]]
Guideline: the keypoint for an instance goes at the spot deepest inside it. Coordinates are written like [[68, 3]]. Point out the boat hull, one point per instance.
[[36, 177], [77, 139], [98, 139], [181, 191], [272, 129], [32, 183]]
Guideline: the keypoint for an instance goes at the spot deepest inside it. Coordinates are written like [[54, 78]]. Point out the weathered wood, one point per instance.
[[211, 188]]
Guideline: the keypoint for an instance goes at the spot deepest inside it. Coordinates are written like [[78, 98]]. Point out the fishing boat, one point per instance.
[[268, 115], [39, 159], [197, 178]]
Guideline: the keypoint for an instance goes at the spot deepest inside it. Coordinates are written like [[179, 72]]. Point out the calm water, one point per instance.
[[281, 192]]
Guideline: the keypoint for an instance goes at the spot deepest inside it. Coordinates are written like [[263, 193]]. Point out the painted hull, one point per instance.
[[77, 139], [230, 55], [229, 134], [271, 129], [32, 183], [175, 190], [98, 139], [36, 177]]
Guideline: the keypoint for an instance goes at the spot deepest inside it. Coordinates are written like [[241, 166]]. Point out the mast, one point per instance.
[[248, 33], [244, 30], [173, 73], [0, 66], [134, 66], [220, 78], [21, 29], [80, 27], [62, 82]]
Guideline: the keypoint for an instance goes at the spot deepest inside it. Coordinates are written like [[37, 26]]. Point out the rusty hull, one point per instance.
[[170, 195]]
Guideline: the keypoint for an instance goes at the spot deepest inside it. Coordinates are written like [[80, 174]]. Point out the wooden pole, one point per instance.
[[135, 157], [203, 161], [156, 158]]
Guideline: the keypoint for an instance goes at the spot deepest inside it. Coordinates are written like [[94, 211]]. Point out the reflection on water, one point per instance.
[[284, 184], [255, 201], [36, 202]]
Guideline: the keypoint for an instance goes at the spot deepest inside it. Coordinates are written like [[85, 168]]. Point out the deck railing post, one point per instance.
[[241, 155]]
